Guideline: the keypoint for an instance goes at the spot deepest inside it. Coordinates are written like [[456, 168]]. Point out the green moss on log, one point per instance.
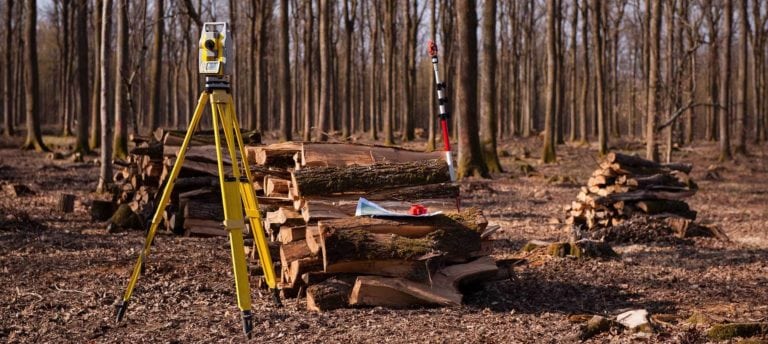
[[744, 330]]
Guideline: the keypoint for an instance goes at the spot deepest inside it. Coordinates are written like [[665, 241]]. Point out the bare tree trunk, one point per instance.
[[121, 83], [96, 91], [8, 130], [574, 72], [285, 76], [651, 151], [349, 26], [470, 161], [713, 68], [725, 82], [325, 71], [374, 82], [83, 111], [32, 84], [390, 6], [156, 68], [741, 113], [488, 71], [105, 172], [308, 88], [432, 87], [66, 84], [548, 155], [602, 136], [583, 136]]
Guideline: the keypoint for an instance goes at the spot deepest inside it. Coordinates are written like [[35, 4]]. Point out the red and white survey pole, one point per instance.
[[443, 115]]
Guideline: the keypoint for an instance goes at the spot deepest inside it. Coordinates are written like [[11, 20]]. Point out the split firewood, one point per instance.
[[400, 293]]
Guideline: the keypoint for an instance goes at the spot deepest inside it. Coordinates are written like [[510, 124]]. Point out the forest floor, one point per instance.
[[61, 274]]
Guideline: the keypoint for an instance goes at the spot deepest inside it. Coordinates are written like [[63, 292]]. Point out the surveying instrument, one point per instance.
[[237, 191]]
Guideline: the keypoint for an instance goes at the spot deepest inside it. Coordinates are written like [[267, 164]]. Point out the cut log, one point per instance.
[[294, 251], [203, 227], [399, 293], [125, 218], [321, 212], [331, 294], [312, 237], [285, 216], [640, 195], [66, 203], [333, 154], [288, 234], [653, 207], [471, 220], [461, 275], [101, 210], [637, 162], [204, 209], [299, 267], [330, 180], [410, 269], [276, 187]]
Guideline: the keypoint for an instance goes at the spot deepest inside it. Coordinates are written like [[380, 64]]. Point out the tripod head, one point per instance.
[[214, 54]]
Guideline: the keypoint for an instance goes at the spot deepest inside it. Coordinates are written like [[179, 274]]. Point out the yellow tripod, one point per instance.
[[236, 191]]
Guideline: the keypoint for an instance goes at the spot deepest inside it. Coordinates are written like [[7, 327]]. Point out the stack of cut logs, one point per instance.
[[308, 193], [340, 260], [626, 185]]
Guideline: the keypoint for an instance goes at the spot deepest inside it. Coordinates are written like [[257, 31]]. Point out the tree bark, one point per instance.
[[574, 72], [725, 82], [8, 129], [390, 6], [470, 161], [95, 137], [741, 114], [156, 68], [325, 71], [432, 86], [286, 134], [32, 84], [81, 54], [586, 77], [122, 70], [105, 171], [489, 116], [308, 72], [651, 152], [548, 155], [713, 68], [597, 36], [329, 180]]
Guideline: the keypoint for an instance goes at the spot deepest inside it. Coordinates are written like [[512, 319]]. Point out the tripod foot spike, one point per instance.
[[120, 311], [276, 297], [247, 323]]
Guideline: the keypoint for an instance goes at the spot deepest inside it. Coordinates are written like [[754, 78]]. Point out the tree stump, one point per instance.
[[66, 203], [101, 210]]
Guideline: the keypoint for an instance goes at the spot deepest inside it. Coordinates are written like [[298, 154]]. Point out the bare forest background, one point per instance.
[[669, 72]]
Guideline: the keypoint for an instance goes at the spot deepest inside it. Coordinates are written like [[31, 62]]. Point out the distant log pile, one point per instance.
[[308, 193], [626, 185]]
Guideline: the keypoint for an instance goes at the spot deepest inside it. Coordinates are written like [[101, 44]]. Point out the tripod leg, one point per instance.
[[122, 307], [254, 216], [233, 222]]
